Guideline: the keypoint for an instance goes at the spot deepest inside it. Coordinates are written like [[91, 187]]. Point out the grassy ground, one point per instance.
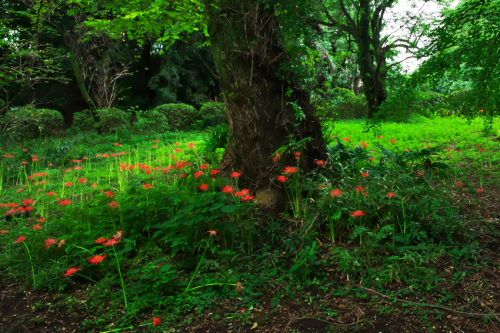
[[294, 278]]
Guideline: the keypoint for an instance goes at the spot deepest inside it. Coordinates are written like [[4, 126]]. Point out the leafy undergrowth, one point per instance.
[[120, 233]]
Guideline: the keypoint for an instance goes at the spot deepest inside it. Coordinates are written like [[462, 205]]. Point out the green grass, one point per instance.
[[167, 264]]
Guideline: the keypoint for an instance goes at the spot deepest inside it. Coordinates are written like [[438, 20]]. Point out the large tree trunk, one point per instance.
[[373, 76], [248, 56]]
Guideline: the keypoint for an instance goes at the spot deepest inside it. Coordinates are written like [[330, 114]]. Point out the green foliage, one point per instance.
[[217, 137], [179, 116], [84, 120], [113, 120], [27, 122], [150, 120], [213, 114], [352, 107]]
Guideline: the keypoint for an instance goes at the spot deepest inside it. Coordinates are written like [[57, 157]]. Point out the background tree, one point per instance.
[[465, 44], [364, 21]]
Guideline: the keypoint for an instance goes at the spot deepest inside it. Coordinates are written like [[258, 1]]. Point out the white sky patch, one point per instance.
[[429, 10]]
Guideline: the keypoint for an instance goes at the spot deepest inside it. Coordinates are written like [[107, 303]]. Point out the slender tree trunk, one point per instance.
[[248, 56], [78, 76]]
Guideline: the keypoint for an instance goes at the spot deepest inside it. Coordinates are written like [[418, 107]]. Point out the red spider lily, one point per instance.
[[392, 141], [20, 239], [146, 186], [111, 242], [24, 149], [155, 146], [380, 137], [123, 167], [297, 155], [321, 186], [290, 170], [68, 184], [64, 202], [118, 235], [336, 193], [116, 144], [49, 242], [156, 321], [131, 167], [320, 162], [459, 184], [172, 156], [43, 182], [363, 144], [448, 149], [228, 190], [407, 149], [235, 174], [28, 208], [428, 147], [481, 110], [98, 155], [101, 240], [203, 187], [177, 144], [24, 162], [239, 286], [480, 190], [275, 158], [242, 192], [177, 150], [420, 173], [360, 189], [37, 227], [482, 149], [97, 259], [371, 159], [71, 271], [282, 179], [30, 178], [346, 139], [35, 160], [478, 144], [19, 190], [391, 195], [61, 242], [191, 145], [105, 155], [364, 174], [214, 172], [85, 158], [358, 213], [203, 166], [109, 194], [94, 185], [27, 202], [198, 174], [113, 204], [82, 180], [459, 151], [182, 175], [247, 198], [212, 232], [156, 141], [4, 232]]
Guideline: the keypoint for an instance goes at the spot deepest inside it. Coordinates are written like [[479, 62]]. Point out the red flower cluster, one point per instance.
[[96, 259], [336, 193], [236, 174], [228, 190], [64, 202], [198, 174], [290, 170]]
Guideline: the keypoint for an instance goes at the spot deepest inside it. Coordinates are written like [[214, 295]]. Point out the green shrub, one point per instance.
[[150, 120], [179, 116], [218, 137], [352, 107], [84, 120], [113, 120], [213, 114], [27, 122]]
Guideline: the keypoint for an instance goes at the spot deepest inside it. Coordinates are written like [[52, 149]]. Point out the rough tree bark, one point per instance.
[[248, 57]]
